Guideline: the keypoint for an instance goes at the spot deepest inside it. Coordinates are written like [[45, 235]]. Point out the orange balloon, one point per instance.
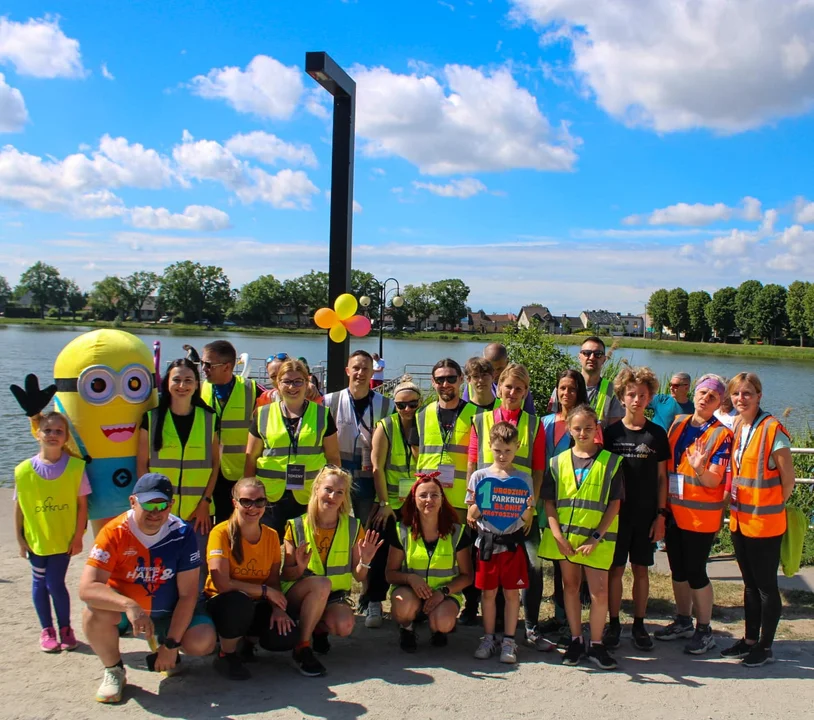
[[325, 318]]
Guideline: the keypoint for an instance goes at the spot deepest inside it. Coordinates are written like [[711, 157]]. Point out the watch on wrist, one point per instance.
[[207, 498], [171, 644], [663, 512], [596, 535], [384, 503], [444, 590]]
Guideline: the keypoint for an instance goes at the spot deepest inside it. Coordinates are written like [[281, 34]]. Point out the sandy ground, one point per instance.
[[369, 676]]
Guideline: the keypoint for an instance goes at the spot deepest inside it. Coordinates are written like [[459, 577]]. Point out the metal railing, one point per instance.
[[803, 451]]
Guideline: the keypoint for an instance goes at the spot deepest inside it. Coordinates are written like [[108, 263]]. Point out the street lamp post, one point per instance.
[[322, 68], [397, 301]]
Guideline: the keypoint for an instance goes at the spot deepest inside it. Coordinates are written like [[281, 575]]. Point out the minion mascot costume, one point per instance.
[[104, 383]]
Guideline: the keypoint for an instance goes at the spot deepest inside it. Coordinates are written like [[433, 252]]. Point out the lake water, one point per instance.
[[29, 349]]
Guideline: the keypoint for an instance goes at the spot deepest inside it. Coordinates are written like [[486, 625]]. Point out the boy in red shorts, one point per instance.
[[501, 560]]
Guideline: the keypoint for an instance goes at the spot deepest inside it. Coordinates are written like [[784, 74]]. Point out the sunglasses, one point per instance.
[[247, 503], [445, 379], [155, 506], [595, 353], [278, 356], [407, 404], [675, 386], [210, 366]]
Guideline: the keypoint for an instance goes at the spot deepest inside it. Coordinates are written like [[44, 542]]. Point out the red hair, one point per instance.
[[447, 517]]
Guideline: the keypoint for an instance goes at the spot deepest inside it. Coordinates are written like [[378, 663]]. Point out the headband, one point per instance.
[[712, 383]]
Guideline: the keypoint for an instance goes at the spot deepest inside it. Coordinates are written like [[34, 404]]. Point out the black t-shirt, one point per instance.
[[548, 490], [395, 541], [448, 417], [294, 422], [183, 425], [486, 408], [360, 406], [642, 451]]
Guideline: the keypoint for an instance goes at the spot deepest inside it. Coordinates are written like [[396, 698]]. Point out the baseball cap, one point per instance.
[[153, 486]]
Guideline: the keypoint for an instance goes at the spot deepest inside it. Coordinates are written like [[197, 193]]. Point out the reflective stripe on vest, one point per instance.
[[601, 403], [527, 426], [340, 555], [49, 507], [701, 508], [278, 452], [757, 508], [396, 462], [580, 510], [235, 420], [432, 452], [190, 467], [437, 570]]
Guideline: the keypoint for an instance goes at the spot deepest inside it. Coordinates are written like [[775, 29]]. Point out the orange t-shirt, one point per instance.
[[258, 558], [324, 538]]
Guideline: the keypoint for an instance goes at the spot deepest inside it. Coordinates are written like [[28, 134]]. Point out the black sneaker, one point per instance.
[[469, 615], [758, 656], [320, 643], [408, 640], [612, 635], [676, 629], [361, 607], [575, 651], [641, 638], [702, 641], [738, 651], [564, 640], [231, 666], [307, 662], [552, 625], [438, 639], [245, 651], [598, 654]]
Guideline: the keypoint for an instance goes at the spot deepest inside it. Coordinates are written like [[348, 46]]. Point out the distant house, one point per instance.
[[633, 324], [570, 324], [601, 320], [480, 322], [149, 311], [539, 314]]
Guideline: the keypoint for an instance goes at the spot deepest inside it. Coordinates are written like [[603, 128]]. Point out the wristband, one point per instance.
[[265, 591], [364, 565], [207, 498]]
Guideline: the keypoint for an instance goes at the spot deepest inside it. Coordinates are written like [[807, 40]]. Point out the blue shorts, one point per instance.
[[162, 624]]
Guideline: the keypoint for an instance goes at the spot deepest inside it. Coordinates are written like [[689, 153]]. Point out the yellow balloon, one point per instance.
[[338, 333], [345, 306]]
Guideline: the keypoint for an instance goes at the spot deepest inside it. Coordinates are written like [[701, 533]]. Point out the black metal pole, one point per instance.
[[382, 298]]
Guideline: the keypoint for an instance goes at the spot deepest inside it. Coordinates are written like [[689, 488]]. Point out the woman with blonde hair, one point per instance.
[[326, 550], [290, 441], [243, 587]]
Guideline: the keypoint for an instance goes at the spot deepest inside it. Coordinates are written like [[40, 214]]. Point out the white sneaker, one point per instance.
[[112, 687], [374, 615], [508, 651], [486, 649]]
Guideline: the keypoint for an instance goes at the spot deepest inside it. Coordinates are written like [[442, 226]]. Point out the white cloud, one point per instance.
[[39, 48], [106, 73], [463, 188], [616, 234], [13, 115], [195, 217], [269, 149], [670, 66], [209, 160], [804, 211], [287, 190], [474, 121], [699, 214], [357, 207], [751, 209], [266, 87]]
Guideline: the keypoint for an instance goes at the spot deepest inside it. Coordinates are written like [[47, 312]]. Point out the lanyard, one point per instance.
[[360, 420], [408, 453], [293, 437], [447, 434], [701, 432], [743, 447]]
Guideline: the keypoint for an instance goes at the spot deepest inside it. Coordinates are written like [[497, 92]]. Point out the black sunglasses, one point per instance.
[[407, 404], [445, 379], [248, 502], [588, 353]]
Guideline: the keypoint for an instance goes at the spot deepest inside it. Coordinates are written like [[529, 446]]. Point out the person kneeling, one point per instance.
[[243, 586], [501, 555], [143, 572], [325, 551], [429, 563], [582, 489]]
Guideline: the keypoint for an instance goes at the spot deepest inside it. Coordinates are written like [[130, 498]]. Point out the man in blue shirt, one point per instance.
[[666, 407]]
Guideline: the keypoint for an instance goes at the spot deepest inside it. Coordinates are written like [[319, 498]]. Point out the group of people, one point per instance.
[[257, 508]]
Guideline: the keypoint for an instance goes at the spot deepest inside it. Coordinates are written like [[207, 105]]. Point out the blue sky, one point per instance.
[[567, 152]]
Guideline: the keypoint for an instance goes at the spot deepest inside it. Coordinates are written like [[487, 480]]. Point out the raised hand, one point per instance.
[[697, 456], [368, 546], [302, 555], [31, 399]]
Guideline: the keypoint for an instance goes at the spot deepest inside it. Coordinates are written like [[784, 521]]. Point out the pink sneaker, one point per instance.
[[67, 639], [48, 641]]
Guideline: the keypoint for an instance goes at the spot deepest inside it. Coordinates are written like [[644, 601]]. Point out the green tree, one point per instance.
[[75, 299], [808, 305], [108, 298], [5, 292], [536, 349], [678, 311], [795, 309], [745, 307], [721, 312], [44, 284], [450, 296], [657, 309], [363, 283], [420, 302], [696, 309], [400, 315], [769, 312], [259, 300], [139, 286], [195, 291]]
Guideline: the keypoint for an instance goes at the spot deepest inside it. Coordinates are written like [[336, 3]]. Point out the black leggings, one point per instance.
[[278, 513], [377, 585], [688, 552], [758, 559], [236, 615]]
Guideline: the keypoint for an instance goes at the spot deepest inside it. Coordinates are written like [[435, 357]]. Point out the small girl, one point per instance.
[[583, 488], [51, 511]]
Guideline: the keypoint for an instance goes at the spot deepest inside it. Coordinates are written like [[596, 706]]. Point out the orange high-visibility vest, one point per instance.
[[698, 508], [757, 508]]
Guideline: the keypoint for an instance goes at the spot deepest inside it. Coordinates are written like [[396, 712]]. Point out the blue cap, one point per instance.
[[153, 486]]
